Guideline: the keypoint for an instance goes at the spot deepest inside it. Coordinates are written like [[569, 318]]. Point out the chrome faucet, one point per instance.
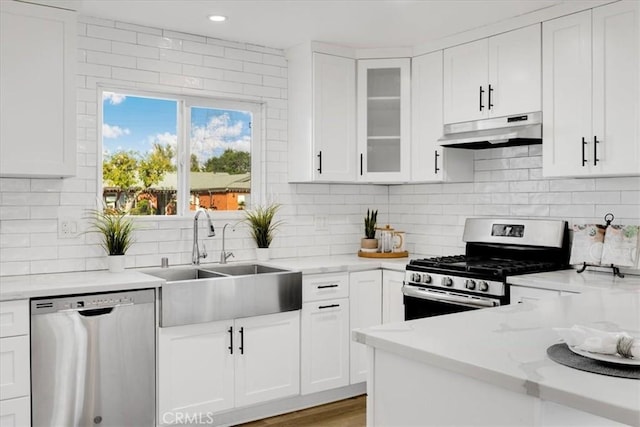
[[195, 252], [224, 256]]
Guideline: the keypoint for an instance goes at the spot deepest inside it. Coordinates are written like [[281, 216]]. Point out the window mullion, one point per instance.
[[183, 156]]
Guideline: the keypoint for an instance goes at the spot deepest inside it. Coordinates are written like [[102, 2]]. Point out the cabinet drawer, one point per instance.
[[14, 318], [15, 412], [325, 286], [14, 367]]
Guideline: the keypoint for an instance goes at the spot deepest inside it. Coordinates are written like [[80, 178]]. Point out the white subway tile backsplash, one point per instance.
[[617, 184], [135, 50], [595, 197], [110, 59], [242, 55], [181, 57], [158, 41], [108, 33], [202, 48], [90, 43], [184, 36], [160, 66], [138, 28], [572, 185], [17, 185], [135, 75]]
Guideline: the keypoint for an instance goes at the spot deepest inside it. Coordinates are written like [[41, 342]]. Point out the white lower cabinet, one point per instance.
[[15, 382], [195, 369], [268, 363], [15, 412], [365, 310], [392, 300], [211, 367], [325, 345]]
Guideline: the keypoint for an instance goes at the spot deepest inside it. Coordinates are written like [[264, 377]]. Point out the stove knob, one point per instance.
[[470, 284], [415, 277], [447, 281], [483, 286], [426, 278]]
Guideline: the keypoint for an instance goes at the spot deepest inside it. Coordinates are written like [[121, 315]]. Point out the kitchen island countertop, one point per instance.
[[506, 347]]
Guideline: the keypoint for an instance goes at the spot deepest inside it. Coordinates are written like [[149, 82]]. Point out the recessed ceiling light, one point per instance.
[[217, 18]]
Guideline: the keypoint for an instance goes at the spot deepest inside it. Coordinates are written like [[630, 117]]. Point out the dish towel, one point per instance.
[[596, 341]]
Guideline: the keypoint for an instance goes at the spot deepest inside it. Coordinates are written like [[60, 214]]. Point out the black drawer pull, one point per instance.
[[328, 306], [327, 286], [481, 93], [241, 348], [584, 143], [436, 162], [595, 150], [230, 340], [320, 162], [361, 159]]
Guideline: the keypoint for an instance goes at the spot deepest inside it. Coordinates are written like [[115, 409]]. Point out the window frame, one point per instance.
[[183, 147]]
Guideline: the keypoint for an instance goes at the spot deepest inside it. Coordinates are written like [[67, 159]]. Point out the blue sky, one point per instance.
[[136, 123]]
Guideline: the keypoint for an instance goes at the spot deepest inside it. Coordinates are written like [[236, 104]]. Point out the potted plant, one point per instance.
[[263, 227], [369, 243], [116, 232]]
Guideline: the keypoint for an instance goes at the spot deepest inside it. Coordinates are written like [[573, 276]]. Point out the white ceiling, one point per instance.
[[285, 23]]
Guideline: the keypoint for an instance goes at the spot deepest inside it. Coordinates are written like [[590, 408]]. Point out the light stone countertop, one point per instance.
[[572, 281], [506, 346], [42, 285]]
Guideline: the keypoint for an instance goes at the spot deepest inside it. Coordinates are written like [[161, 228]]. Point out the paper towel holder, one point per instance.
[[608, 218]]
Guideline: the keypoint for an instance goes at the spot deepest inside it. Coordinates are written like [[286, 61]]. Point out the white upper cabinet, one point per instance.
[[429, 161], [37, 83], [322, 116], [591, 92], [493, 77], [384, 122]]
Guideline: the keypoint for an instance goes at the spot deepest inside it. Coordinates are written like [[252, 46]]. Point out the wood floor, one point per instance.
[[344, 413]]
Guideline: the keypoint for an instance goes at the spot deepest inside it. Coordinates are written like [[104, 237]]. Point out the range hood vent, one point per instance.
[[523, 129]]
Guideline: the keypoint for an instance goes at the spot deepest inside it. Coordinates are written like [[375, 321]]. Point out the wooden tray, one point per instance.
[[383, 254]]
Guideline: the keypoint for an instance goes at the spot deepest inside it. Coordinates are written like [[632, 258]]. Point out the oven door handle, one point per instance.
[[422, 293]]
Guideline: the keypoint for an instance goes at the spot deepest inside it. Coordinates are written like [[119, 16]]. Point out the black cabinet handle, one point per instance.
[[584, 144], [595, 150], [481, 93], [361, 160], [241, 348], [320, 162], [490, 91], [436, 162], [230, 339], [328, 306], [327, 286]]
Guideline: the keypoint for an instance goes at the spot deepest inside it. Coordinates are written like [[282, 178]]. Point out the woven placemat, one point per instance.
[[562, 354]]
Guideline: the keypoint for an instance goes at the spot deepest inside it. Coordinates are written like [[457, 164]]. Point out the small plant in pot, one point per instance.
[[263, 227], [369, 243], [116, 233]]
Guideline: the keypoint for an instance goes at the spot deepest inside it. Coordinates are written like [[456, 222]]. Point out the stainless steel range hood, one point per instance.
[[523, 129]]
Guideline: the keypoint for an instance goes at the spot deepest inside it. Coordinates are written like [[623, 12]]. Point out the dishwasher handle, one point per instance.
[[95, 311]]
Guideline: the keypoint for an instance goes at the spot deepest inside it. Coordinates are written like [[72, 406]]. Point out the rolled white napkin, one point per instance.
[[596, 341]]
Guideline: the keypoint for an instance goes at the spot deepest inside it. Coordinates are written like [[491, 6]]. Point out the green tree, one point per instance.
[[195, 165], [153, 167], [119, 171], [231, 161]]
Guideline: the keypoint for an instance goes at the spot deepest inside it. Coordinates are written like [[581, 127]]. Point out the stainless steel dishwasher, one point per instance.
[[93, 360]]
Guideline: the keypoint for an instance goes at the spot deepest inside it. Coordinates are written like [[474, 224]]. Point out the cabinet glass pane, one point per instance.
[[383, 155], [383, 117], [383, 82]]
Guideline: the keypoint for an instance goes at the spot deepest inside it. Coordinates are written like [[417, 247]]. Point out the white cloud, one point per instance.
[[165, 138], [113, 98], [112, 132], [218, 135]]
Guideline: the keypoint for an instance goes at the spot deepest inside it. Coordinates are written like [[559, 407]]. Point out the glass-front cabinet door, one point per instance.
[[384, 119]]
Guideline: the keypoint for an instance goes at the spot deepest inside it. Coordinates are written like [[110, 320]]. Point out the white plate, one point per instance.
[[605, 357]]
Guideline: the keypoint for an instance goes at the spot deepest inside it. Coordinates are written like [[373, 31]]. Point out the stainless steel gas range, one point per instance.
[[495, 249]]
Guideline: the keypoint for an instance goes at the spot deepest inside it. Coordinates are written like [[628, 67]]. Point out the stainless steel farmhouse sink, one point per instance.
[[207, 294]]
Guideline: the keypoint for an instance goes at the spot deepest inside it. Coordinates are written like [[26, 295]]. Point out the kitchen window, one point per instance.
[[169, 155]]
